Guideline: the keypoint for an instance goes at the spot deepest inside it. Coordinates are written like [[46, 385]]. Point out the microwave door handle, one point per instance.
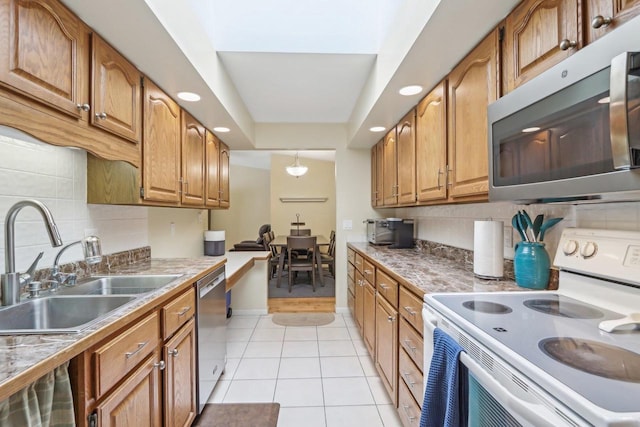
[[535, 414], [618, 108]]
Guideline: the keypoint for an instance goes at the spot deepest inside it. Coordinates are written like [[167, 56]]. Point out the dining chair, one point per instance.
[[329, 257], [297, 263], [275, 255], [300, 232]]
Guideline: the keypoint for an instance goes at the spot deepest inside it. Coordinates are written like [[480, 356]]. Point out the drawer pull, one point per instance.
[[368, 272], [391, 319], [410, 417], [384, 287], [160, 365], [410, 311], [412, 348], [174, 352], [133, 353], [184, 311], [407, 377]]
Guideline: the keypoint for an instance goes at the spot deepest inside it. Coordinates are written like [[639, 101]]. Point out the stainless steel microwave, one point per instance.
[[572, 134]]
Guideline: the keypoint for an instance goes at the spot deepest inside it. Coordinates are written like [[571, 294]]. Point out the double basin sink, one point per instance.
[[72, 309]]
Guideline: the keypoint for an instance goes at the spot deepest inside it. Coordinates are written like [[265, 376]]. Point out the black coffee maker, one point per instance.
[[402, 230]]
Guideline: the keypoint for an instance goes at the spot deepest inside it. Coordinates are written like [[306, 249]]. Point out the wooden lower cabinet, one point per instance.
[[408, 409], [137, 401], [179, 377], [369, 318], [386, 359], [411, 375], [359, 302]]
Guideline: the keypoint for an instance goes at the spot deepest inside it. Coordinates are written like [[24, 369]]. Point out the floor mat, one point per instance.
[[302, 319], [239, 415]]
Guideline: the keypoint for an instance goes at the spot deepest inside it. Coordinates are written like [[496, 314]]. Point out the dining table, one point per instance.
[[280, 243]]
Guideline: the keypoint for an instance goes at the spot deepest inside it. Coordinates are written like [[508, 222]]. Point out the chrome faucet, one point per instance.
[[12, 281], [92, 255]]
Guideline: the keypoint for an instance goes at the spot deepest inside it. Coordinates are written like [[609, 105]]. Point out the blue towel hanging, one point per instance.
[[445, 398]]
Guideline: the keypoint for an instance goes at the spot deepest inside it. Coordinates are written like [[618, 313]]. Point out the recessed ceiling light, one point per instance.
[[410, 90], [189, 96], [377, 129], [221, 129], [531, 129]]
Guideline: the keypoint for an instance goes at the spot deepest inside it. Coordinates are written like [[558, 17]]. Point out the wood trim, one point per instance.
[[302, 305]]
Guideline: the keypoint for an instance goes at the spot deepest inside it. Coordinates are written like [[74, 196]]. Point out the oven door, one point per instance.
[[498, 394]]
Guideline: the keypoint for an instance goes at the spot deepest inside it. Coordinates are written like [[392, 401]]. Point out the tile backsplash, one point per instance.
[[57, 176]]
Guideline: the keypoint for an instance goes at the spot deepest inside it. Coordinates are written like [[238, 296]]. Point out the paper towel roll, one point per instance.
[[488, 254], [214, 236]]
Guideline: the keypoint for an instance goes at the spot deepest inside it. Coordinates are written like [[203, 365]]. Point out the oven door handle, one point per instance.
[[535, 414]]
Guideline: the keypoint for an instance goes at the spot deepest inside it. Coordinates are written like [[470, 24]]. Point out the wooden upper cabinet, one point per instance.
[[161, 146], [602, 16], [44, 54], [473, 85], [390, 169], [431, 145], [406, 168], [377, 175], [212, 162], [537, 35], [225, 196], [193, 156], [115, 92]]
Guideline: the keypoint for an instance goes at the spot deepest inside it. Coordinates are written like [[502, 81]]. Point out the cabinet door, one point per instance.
[[539, 34], [379, 172], [387, 355], [602, 16], [369, 318], [225, 197], [374, 176], [180, 377], [212, 155], [45, 54], [115, 92], [359, 302], [431, 145], [137, 401], [407, 159], [160, 146], [193, 155], [472, 87], [389, 169]]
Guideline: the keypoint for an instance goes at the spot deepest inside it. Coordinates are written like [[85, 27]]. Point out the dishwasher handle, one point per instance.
[[210, 282]]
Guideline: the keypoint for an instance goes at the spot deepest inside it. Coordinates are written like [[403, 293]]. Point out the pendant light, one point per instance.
[[296, 169]]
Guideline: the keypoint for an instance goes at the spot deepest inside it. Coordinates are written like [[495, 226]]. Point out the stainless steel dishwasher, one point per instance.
[[211, 316]]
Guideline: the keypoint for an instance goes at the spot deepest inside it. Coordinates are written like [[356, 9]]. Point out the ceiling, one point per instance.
[[295, 62], [261, 159]]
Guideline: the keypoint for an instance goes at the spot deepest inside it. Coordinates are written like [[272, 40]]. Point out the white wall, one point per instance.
[[177, 233]]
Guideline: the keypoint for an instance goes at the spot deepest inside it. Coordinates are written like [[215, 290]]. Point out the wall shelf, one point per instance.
[[303, 199]]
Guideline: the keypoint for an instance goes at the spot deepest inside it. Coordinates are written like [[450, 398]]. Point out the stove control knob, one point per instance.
[[589, 250], [570, 247]]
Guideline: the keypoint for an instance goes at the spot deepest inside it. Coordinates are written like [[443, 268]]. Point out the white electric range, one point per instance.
[[555, 358]]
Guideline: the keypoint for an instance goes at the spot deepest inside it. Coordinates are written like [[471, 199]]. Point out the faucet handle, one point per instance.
[[27, 276]]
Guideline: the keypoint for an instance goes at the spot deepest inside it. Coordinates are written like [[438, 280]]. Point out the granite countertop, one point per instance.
[[24, 358], [426, 273]]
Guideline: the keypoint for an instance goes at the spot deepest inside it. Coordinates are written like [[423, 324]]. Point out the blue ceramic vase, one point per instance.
[[531, 265]]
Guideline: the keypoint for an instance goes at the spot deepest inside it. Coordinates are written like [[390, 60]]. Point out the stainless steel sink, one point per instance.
[[119, 285], [58, 314]]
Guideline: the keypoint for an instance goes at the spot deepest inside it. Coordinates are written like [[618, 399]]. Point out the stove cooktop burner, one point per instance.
[[594, 357], [487, 307], [556, 307]]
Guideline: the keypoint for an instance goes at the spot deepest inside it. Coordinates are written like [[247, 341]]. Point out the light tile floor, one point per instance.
[[321, 376]]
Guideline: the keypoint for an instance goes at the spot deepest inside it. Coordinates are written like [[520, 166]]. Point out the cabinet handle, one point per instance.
[[141, 345], [101, 116], [174, 352], [411, 312], [412, 348], [439, 173], [184, 311], [186, 187], [383, 286], [83, 107], [406, 411], [600, 21], [368, 272], [448, 171], [391, 319], [567, 44], [160, 365], [407, 377]]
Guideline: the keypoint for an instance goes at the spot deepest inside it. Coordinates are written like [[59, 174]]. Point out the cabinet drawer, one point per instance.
[[118, 357], [411, 309], [351, 271], [177, 312], [351, 256], [369, 271], [408, 409], [359, 262], [411, 375], [351, 284], [387, 287], [412, 343]]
